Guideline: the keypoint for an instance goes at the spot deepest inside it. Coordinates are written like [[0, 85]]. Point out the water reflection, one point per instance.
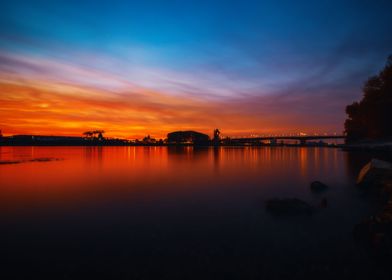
[[115, 170], [102, 206]]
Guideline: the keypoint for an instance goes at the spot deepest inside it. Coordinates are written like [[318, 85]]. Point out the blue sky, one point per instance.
[[306, 58]]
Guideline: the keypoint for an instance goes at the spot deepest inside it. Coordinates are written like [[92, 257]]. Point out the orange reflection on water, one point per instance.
[[80, 174]]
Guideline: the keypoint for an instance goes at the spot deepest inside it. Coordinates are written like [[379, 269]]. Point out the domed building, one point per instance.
[[188, 137]]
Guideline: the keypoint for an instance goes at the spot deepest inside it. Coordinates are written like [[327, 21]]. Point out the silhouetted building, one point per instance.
[[216, 139], [94, 135], [148, 140], [188, 137]]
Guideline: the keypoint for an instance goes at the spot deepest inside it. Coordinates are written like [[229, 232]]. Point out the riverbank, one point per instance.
[[118, 142], [369, 146], [187, 139], [375, 232]]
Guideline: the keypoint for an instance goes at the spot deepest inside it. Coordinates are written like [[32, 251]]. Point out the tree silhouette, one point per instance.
[[371, 117], [94, 135]]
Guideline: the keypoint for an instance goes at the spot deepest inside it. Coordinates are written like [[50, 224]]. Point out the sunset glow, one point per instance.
[[195, 139], [130, 72]]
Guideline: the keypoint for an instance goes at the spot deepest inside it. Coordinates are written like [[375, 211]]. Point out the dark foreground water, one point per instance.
[[178, 213]]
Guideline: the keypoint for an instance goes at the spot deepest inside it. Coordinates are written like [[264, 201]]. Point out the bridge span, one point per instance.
[[273, 139]]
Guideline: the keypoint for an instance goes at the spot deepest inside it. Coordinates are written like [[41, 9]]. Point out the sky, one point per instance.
[[135, 68]]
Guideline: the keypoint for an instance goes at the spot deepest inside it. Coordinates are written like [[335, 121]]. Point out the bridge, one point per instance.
[[273, 139]]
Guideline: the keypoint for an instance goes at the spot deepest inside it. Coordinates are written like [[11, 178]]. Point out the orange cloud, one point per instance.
[[53, 108], [39, 107]]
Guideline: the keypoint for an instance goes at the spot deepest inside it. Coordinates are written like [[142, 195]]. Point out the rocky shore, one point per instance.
[[375, 232]]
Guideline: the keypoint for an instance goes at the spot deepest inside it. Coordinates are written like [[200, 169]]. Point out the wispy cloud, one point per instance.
[[133, 70]]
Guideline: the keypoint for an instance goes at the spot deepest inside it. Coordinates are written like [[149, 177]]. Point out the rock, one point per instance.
[[29, 160], [387, 187], [44, 159], [317, 186], [288, 207], [324, 203], [376, 234], [10, 161], [375, 173]]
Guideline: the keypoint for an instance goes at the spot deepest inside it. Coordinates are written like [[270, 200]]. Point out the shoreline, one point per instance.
[[370, 146], [375, 232], [168, 145]]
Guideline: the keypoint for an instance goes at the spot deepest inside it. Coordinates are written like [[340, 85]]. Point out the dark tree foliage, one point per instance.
[[371, 117]]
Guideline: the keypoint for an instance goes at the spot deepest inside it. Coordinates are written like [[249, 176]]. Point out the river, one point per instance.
[[178, 213]]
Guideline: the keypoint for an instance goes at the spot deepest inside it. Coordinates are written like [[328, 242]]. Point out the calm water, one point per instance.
[[158, 212]]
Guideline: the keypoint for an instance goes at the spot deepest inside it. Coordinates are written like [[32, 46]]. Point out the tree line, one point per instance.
[[371, 117]]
